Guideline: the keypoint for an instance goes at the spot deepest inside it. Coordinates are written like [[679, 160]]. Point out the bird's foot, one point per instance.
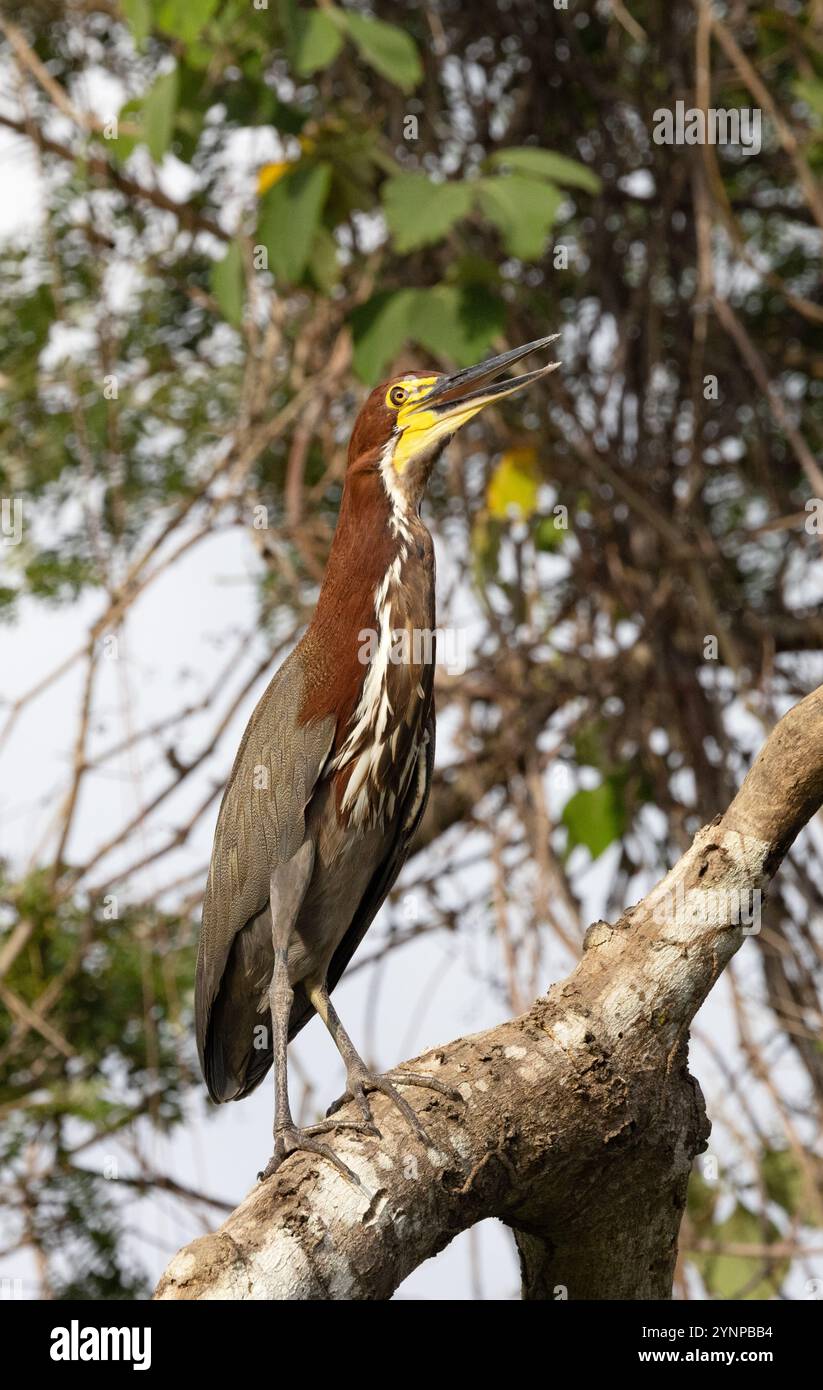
[[290, 1139], [360, 1083]]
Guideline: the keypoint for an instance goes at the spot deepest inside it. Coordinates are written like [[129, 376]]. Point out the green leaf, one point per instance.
[[228, 283], [185, 19], [741, 1276], [289, 217], [595, 818], [132, 114], [457, 322], [548, 535], [288, 19], [701, 1201], [523, 209], [323, 263], [514, 484], [380, 327], [387, 49], [485, 544], [783, 1180], [591, 745], [419, 211], [316, 42], [138, 14], [528, 159], [34, 315], [471, 269], [159, 106], [810, 90]]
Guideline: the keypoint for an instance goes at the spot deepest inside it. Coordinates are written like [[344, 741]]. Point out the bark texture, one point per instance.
[[579, 1120]]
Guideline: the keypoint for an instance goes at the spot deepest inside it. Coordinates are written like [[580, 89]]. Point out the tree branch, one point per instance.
[[188, 214], [579, 1120]]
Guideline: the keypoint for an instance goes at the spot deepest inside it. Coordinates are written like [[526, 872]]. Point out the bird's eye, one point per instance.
[[397, 395]]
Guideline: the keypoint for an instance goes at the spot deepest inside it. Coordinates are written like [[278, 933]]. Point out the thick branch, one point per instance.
[[579, 1120]]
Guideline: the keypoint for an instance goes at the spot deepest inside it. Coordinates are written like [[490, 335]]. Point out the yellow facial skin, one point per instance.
[[420, 430]]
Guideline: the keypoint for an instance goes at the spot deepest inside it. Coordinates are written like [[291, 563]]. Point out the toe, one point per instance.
[[385, 1087], [338, 1104], [324, 1151], [429, 1083], [270, 1168], [301, 1140], [328, 1127]]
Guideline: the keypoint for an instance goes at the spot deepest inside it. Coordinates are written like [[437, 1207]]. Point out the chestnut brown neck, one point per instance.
[[363, 548]]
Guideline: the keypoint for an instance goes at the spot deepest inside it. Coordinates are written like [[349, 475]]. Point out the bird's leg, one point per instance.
[[288, 1138], [360, 1079]]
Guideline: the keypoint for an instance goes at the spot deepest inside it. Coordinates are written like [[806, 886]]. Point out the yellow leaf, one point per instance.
[[514, 484], [270, 174]]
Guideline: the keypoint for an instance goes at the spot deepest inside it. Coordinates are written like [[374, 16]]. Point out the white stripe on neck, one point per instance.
[[400, 517], [364, 800]]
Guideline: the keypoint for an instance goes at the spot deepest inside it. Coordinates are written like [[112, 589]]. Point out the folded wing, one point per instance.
[[261, 824]]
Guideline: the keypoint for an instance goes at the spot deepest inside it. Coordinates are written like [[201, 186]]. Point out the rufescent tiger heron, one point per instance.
[[332, 774]]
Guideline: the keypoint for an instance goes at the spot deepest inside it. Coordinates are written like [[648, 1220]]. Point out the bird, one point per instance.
[[332, 774]]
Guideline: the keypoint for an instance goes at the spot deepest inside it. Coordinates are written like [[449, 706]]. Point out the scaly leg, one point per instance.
[[360, 1079], [287, 890]]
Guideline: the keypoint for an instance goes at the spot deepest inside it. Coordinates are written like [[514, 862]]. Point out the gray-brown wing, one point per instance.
[[409, 818], [261, 823]]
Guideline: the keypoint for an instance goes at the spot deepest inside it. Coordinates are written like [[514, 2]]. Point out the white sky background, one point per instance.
[[172, 627]]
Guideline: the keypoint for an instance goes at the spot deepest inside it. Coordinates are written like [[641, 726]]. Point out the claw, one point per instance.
[[356, 1093], [360, 1083], [294, 1140]]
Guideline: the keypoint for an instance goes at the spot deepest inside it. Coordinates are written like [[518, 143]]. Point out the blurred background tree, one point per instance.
[[246, 214]]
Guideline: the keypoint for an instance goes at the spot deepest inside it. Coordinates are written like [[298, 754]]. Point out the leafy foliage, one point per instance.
[[119, 988], [596, 817], [737, 1271]]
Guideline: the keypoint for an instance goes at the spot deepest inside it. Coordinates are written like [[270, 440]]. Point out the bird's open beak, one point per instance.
[[454, 399], [472, 385]]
